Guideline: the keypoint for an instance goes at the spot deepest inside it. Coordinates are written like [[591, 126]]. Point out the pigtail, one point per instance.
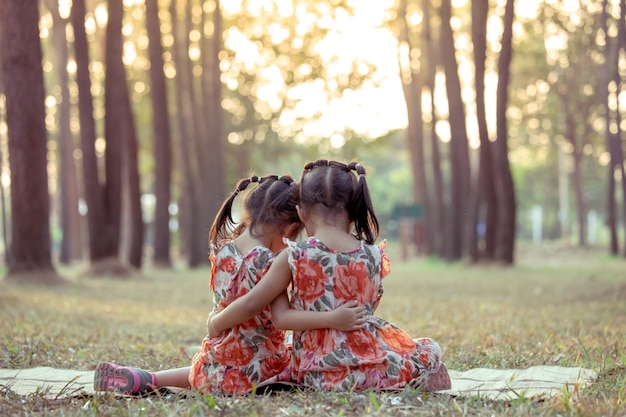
[[224, 225], [361, 208]]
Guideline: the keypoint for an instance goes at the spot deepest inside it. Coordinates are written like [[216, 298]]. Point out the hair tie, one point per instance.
[[279, 177], [362, 175], [292, 183], [235, 192]]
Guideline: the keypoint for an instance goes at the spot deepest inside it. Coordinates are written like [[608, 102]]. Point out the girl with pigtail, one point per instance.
[[338, 263], [253, 352]]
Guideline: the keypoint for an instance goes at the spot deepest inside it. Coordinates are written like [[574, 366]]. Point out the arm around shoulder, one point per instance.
[[349, 316], [275, 281]]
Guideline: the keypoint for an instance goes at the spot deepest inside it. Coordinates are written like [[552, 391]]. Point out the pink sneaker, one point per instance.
[[111, 377]]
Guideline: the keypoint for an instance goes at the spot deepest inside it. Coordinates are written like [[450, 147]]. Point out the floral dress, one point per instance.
[[250, 353], [379, 356]]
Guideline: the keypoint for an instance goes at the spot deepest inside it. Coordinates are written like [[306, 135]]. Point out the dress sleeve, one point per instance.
[[385, 267]]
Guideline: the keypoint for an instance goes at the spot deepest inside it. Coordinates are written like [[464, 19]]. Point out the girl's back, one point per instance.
[[241, 253], [251, 352], [377, 357]]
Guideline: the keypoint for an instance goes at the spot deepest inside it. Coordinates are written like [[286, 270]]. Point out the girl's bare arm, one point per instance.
[[350, 316], [275, 281]]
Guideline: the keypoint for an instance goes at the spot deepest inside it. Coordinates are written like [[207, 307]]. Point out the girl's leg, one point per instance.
[[178, 377]]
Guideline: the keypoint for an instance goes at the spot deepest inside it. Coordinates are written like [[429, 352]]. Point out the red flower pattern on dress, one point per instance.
[[406, 371], [334, 378], [318, 341], [233, 353], [345, 289], [236, 382], [398, 340], [352, 282], [311, 280], [373, 375], [364, 345], [227, 265], [272, 365]]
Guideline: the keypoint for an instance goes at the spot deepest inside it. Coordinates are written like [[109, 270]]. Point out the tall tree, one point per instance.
[[612, 117], [100, 246], [484, 203], [215, 138], [121, 151], [621, 35], [505, 190], [162, 137], [194, 243], [459, 147], [436, 233], [4, 224], [412, 88], [22, 75], [71, 242]]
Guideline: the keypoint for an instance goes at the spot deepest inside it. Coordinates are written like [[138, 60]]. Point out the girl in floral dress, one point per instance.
[[336, 264], [253, 352]]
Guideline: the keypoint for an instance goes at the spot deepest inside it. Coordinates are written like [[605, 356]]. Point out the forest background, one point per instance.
[[124, 124]]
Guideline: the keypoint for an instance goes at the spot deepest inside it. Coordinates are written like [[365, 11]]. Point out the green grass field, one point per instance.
[[558, 305]]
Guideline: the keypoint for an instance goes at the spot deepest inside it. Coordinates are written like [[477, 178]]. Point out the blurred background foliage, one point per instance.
[[301, 80]]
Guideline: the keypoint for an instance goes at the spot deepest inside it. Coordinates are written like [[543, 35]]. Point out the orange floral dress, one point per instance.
[[250, 353], [380, 356]]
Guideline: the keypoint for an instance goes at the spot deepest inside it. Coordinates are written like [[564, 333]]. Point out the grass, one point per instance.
[[558, 305]]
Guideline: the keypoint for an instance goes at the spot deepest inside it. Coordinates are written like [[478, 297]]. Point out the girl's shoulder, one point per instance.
[[313, 242], [310, 242], [228, 247]]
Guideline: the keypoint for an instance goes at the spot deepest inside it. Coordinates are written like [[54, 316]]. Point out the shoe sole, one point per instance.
[[104, 372]]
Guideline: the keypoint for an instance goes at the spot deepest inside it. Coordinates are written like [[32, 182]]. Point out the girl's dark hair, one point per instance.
[[273, 201], [333, 187]]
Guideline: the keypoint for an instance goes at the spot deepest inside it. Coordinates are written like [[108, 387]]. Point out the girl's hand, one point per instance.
[[348, 317]]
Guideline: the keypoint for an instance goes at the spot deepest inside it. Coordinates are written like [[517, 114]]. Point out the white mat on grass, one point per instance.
[[497, 384], [506, 384]]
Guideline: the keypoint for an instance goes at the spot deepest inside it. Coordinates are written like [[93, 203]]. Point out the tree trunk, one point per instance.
[[438, 235], [120, 135], [216, 190], [621, 35], [191, 219], [3, 206], [505, 189], [613, 145], [5, 225], [412, 88], [459, 153], [577, 155], [92, 188], [577, 179], [131, 158], [162, 139], [114, 126], [484, 204], [71, 243], [208, 138], [24, 89]]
